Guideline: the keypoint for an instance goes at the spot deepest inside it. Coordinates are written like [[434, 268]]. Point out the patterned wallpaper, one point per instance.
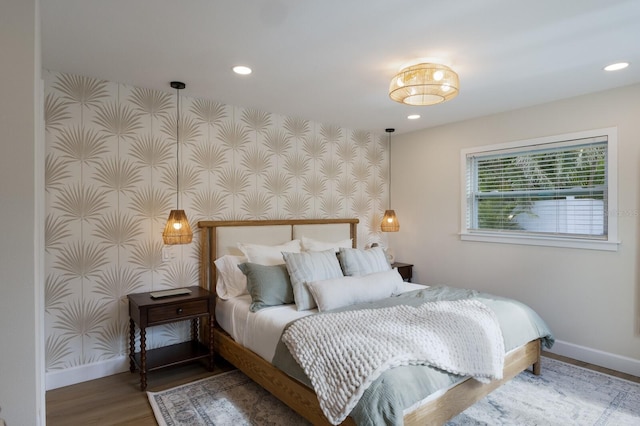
[[111, 181]]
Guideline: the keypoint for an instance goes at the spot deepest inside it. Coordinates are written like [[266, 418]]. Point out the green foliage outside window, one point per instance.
[[509, 185]]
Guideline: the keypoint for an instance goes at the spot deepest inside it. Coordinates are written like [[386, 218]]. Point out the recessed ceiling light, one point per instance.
[[413, 116], [617, 66], [242, 70]]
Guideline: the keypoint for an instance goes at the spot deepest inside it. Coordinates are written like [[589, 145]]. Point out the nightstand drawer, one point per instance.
[[176, 311]]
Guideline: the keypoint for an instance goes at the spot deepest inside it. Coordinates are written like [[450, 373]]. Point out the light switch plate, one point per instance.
[[166, 253]]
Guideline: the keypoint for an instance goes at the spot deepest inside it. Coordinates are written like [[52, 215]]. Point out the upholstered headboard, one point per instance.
[[221, 237]]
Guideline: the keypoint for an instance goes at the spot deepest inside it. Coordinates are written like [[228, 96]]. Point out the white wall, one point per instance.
[[21, 203], [589, 298]]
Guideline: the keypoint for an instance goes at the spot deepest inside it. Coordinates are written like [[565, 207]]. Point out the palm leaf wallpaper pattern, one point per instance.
[[151, 102], [84, 91], [110, 174], [151, 151]]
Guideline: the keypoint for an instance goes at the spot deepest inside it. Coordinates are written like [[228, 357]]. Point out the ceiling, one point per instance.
[[331, 61]]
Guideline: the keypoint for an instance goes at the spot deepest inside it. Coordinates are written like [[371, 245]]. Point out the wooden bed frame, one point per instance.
[[301, 398]]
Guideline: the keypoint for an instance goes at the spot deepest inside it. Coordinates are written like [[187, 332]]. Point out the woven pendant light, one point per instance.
[[390, 220], [177, 230]]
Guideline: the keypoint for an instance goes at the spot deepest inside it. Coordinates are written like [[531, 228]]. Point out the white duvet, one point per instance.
[[260, 331]]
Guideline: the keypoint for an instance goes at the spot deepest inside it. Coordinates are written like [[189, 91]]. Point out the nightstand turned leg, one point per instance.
[[132, 345], [143, 359], [194, 329]]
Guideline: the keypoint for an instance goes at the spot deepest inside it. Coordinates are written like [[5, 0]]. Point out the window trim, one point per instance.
[[610, 243]]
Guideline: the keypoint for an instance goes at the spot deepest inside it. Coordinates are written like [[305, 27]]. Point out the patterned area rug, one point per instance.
[[229, 398], [562, 395]]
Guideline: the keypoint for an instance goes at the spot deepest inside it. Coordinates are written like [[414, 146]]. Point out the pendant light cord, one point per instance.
[[389, 131], [178, 149], [178, 85]]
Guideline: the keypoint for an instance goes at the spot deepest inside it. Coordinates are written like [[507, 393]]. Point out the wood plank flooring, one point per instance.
[[583, 364], [117, 399]]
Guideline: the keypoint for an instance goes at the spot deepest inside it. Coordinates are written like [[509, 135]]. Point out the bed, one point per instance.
[[245, 344]]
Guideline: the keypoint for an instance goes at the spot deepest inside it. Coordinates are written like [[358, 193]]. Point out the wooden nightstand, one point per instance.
[[405, 270], [146, 312]]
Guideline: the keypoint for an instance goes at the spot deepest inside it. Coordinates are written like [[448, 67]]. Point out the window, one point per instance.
[[554, 191]]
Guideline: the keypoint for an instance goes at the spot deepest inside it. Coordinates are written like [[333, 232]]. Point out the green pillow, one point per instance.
[[268, 285]]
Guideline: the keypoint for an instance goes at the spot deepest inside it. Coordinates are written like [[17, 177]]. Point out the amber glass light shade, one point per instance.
[[390, 222], [424, 84], [177, 230]]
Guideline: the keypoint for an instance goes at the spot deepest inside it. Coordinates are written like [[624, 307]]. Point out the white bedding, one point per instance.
[[260, 331]]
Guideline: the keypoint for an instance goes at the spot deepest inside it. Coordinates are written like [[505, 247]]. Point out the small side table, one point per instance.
[[405, 270], [146, 312]]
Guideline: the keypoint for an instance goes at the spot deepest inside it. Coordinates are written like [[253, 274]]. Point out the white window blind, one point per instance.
[[551, 189]]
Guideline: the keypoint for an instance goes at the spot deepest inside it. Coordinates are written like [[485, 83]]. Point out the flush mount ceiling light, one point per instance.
[[617, 66], [242, 70], [424, 83], [177, 230]]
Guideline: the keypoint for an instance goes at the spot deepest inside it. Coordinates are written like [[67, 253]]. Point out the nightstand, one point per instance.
[[405, 270], [146, 311]]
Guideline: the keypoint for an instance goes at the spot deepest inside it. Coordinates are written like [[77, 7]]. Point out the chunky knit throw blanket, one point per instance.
[[343, 353]]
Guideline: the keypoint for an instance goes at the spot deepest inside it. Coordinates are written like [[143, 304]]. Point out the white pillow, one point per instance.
[[231, 281], [356, 262], [338, 292], [269, 255], [309, 244]]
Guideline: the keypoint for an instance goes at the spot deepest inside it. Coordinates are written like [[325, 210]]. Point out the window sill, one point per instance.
[[541, 241]]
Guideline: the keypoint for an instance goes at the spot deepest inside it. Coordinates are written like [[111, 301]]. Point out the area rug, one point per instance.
[[563, 395], [229, 398]]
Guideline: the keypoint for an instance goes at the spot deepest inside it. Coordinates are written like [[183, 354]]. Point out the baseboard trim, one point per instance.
[[597, 357], [71, 376]]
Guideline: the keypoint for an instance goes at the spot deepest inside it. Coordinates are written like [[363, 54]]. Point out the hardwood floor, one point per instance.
[[117, 399], [583, 364]]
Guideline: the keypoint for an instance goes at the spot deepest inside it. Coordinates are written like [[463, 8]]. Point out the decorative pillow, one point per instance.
[[231, 281], [338, 292], [268, 285], [268, 255], [356, 262], [309, 244], [310, 266]]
